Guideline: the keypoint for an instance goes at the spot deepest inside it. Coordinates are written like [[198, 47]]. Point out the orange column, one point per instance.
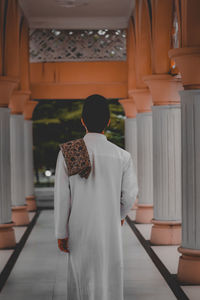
[[12, 31], [28, 143], [187, 59], [8, 78], [142, 99], [166, 130]]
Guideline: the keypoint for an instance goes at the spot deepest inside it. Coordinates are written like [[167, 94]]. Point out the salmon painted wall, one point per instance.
[[77, 80]]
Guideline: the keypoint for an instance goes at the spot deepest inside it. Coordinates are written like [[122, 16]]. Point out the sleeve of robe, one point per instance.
[[62, 203], [129, 188]]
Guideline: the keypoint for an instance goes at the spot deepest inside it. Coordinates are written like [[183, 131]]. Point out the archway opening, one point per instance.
[[58, 121]]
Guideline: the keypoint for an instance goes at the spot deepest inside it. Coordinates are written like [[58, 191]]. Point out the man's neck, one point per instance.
[[94, 132]]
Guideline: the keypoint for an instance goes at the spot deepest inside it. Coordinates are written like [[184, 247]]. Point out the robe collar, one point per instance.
[[94, 136]]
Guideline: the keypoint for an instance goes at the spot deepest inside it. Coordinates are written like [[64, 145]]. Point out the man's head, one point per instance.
[[95, 114]]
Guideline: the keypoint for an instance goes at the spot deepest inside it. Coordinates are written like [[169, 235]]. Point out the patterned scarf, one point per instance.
[[76, 157]]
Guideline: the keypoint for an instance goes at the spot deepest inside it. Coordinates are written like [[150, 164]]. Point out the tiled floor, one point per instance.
[[19, 231], [169, 256], [40, 273]]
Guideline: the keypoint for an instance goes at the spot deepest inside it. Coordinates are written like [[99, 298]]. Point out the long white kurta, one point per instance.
[[89, 212]]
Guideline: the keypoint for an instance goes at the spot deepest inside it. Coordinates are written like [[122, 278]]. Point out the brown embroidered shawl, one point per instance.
[[76, 157]]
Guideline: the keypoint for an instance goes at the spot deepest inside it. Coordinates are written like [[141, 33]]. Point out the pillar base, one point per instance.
[[7, 236], [144, 214], [189, 266], [166, 233], [20, 215], [31, 203]]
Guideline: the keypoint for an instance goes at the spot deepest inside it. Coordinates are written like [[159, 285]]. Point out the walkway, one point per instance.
[[39, 272]]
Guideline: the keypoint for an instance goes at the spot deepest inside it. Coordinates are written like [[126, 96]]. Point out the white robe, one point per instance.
[[89, 213]]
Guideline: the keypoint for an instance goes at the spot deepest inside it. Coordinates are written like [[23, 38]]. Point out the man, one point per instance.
[[90, 205]]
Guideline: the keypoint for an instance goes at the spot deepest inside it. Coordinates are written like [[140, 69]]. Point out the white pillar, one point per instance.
[[167, 162], [191, 168], [17, 159], [131, 138], [166, 174], [28, 148], [7, 234], [145, 167], [20, 215], [28, 155], [130, 129], [190, 248], [5, 176]]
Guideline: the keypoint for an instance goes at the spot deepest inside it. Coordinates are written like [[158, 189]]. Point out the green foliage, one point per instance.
[[55, 122]]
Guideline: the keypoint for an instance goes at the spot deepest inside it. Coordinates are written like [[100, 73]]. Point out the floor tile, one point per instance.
[[169, 256]]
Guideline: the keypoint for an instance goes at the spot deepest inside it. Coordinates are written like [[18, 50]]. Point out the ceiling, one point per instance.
[[94, 14]]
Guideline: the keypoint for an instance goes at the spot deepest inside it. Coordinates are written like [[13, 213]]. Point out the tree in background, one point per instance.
[[55, 122]]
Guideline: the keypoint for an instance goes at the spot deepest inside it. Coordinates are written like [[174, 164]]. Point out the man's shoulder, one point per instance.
[[119, 151]]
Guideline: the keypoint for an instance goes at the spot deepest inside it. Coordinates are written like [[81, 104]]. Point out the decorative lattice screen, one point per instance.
[[50, 45]]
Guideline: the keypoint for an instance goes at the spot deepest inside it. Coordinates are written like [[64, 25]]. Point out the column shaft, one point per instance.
[[20, 214], [190, 101], [7, 234], [28, 155], [131, 138], [167, 162], [17, 160], [145, 167], [166, 175], [189, 262], [29, 175], [5, 184]]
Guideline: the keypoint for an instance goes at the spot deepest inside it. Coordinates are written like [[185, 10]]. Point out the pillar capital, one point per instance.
[[164, 88], [7, 85], [29, 108], [188, 62], [129, 107], [143, 100], [18, 100]]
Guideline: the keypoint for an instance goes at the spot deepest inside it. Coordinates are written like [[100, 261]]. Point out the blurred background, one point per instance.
[[58, 121]]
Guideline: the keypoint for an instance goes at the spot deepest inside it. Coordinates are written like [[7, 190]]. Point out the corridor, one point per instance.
[[143, 54], [40, 271]]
